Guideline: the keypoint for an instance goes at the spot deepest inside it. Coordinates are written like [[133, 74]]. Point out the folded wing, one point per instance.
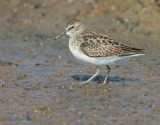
[[96, 45]]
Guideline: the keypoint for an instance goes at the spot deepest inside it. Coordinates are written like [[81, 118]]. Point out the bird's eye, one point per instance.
[[71, 28]]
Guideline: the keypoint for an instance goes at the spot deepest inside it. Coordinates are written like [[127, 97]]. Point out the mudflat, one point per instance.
[[38, 75]]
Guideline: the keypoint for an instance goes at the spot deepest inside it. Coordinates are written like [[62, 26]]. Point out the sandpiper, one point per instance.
[[95, 48]]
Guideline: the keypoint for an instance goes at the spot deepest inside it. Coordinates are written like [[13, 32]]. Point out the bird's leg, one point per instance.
[[108, 71], [97, 73]]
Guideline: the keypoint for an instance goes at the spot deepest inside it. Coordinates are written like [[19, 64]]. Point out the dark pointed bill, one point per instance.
[[62, 34]]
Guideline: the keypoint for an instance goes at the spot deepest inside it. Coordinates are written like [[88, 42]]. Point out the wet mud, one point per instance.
[[39, 76]]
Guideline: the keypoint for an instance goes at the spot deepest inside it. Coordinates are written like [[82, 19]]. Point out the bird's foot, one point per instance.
[[105, 82], [82, 83]]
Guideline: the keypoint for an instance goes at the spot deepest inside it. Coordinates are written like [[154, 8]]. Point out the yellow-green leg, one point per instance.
[[97, 73], [108, 71]]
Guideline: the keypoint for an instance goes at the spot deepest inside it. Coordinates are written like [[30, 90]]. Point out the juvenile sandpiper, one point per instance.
[[96, 48]]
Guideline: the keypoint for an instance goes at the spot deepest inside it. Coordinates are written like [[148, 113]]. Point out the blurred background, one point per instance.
[[118, 16], [37, 74]]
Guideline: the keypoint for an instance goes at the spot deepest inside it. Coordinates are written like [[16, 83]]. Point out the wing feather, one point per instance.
[[100, 45]]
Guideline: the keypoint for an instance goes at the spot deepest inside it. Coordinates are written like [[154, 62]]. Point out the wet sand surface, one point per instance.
[[38, 75]]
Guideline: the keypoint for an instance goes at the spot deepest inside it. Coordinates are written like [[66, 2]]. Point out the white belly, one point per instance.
[[78, 54]]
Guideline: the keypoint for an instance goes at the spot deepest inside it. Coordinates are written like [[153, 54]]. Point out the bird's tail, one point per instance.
[[128, 50]]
